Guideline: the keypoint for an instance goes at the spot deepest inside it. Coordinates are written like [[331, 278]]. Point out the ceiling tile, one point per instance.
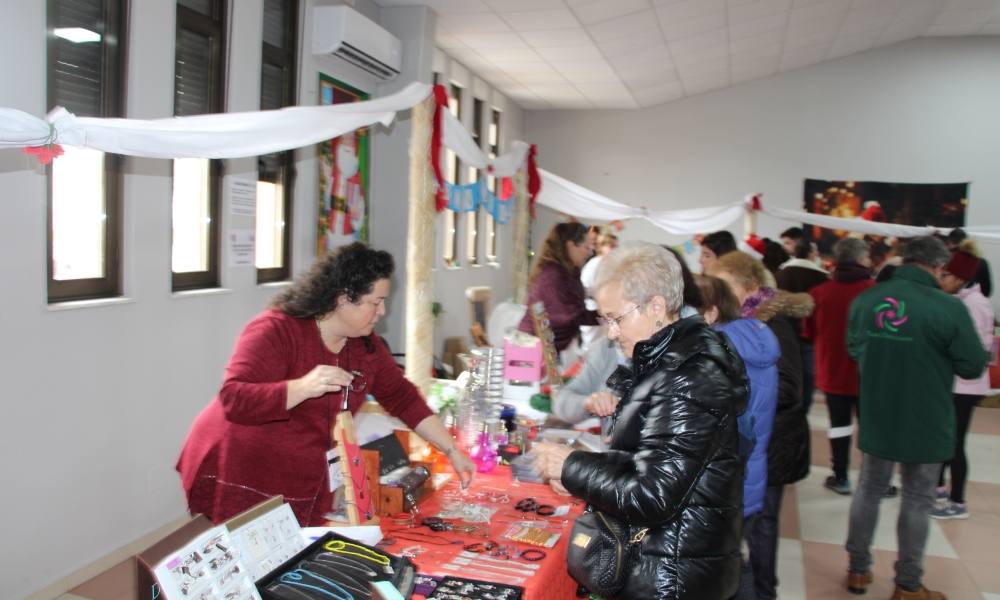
[[593, 76], [649, 60], [741, 48], [626, 26], [970, 4], [490, 41], [652, 41], [648, 79], [755, 69], [697, 70], [699, 43], [860, 21], [554, 90], [625, 102], [952, 30], [497, 55], [581, 52], [523, 5], [690, 9], [602, 90], [990, 29], [441, 7], [812, 28], [718, 55], [798, 3], [472, 23], [585, 67], [679, 28], [534, 20], [527, 77], [707, 84], [829, 9], [517, 68], [556, 37], [962, 19], [596, 11], [757, 9], [773, 23], [446, 40]]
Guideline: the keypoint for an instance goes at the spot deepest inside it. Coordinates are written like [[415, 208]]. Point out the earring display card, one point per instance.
[[269, 540], [207, 568], [457, 588]]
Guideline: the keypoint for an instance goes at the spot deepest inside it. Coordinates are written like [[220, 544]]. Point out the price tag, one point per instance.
[[334, 474]]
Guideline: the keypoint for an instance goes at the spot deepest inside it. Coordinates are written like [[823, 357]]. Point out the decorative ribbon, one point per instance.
[[440, 104], [534, 181], [470, 196]]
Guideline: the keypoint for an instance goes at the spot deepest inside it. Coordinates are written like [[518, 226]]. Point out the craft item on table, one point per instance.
[[543, 330], [531, 555], [506, 570], [490, 547], [541, 402], [359, 551], [523, 469], [268, 540], [424, 585], [358, 501], [306, 582], [468, 512], [458, 587], [493, 576], [209, 566], [355, 580], [483, 453], [465, 554], [531, 535]]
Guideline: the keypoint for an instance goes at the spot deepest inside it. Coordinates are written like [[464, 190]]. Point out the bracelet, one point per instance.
[[545, 510], [531, 555]]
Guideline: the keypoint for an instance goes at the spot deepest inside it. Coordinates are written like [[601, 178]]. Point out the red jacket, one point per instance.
[[245, 446], [836, 373]]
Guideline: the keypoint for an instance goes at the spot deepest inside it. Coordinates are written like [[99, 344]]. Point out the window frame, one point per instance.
[[214, 27], [113, 91], [451, 218], [286, 59], [493, 151]]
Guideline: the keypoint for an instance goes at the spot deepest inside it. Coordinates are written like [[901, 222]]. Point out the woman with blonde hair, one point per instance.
[[788, 450]]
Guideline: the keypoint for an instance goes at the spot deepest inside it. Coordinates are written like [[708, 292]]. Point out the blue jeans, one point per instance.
[[911, 528]]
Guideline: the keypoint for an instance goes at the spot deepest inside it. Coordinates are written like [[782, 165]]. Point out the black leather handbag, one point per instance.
[[601, 551]]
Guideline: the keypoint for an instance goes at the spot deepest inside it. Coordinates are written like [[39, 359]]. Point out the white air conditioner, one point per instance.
[[346, 33]]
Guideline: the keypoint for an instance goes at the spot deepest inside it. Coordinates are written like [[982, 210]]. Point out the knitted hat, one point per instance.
[[963, 265]]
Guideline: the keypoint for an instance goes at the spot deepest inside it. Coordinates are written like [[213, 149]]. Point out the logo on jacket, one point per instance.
[[890, 314]]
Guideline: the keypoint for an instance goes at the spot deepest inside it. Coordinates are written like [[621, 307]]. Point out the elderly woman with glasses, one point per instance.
[[673, 465], [267, 431]]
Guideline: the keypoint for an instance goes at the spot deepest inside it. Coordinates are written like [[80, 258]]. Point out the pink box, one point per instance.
[[522, 363]]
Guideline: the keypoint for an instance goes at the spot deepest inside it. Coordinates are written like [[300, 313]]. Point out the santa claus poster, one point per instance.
[[937, 204], [343, 176]]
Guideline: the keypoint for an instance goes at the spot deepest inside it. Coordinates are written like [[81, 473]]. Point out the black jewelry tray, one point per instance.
[[402, 576]]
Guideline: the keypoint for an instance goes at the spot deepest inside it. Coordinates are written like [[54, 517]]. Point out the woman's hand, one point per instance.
[[322, 379], [463, 465], [549, 459], [601, 404]]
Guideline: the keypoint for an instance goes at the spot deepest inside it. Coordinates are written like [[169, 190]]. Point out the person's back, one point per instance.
[[910, 339], [757, 346], [836, 372]]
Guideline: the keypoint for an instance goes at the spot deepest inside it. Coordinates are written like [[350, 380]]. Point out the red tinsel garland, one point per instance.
[[440, 103]]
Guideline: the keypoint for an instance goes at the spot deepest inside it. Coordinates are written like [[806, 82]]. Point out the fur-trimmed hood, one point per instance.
[[785, 304]]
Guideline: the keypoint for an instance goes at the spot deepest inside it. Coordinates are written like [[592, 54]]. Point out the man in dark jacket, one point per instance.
[[910, 339]]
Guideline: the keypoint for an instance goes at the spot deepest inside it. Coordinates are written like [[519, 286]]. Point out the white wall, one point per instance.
[[920, 112], [98, 399]]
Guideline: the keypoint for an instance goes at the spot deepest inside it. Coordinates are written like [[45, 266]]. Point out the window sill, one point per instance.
[[272, 285], [199, 293], [493, 264], [94, 303]]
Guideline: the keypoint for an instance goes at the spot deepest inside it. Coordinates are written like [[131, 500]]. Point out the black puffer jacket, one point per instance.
[[788, 450], [673, 464]]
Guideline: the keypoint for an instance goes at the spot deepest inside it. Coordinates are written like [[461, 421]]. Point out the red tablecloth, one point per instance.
[[433, 550]]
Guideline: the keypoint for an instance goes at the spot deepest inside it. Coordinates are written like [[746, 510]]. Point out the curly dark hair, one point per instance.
[[352, 269], [554, 247], [720, 242]]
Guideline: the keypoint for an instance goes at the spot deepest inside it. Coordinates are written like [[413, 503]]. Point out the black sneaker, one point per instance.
[[840, 486], [891, 492]]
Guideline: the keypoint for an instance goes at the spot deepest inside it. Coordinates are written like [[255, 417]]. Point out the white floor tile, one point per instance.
[[982, 452], [791, 569], [823, 517], [989, 596]]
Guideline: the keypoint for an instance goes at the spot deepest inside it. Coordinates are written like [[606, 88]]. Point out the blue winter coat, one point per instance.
[[759, 349]]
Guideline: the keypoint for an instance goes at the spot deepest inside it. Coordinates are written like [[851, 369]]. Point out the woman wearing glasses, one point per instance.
[[555, 281], [673, 464], [268, 430]]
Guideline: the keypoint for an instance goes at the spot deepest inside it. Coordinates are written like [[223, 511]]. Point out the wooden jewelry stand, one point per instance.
[[544, 333], [360, 506]]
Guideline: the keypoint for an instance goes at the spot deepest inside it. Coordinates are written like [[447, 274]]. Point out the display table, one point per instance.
[[443, 554]]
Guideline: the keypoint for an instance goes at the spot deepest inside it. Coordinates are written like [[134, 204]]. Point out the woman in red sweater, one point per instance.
[[268, 430]]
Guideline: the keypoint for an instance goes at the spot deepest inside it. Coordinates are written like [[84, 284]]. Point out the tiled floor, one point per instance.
[[963, 557]]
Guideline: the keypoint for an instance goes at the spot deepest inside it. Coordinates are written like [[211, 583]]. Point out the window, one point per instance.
[[494, 151], [275, 172], [199, 82], [472, 217], [86, 50], [453, 167]]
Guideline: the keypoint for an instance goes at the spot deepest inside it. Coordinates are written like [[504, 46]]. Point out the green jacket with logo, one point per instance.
[[910, 339]]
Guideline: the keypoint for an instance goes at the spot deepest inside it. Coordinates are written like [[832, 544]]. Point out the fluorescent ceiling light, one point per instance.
[[77, 35]]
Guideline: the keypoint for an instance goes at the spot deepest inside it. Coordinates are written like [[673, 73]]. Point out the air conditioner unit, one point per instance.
[[344, 32]]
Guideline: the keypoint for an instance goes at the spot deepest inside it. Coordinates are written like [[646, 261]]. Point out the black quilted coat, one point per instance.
[[673, 464]]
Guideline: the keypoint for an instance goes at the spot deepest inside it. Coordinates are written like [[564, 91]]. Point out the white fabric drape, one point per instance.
[[457, 138], [567, 197], [224, 135]]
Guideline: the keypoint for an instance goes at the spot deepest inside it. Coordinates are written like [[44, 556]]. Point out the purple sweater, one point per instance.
[[563, 296]]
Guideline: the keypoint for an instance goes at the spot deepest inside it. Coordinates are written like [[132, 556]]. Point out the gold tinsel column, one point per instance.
[[519, 240], [420, 252]]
